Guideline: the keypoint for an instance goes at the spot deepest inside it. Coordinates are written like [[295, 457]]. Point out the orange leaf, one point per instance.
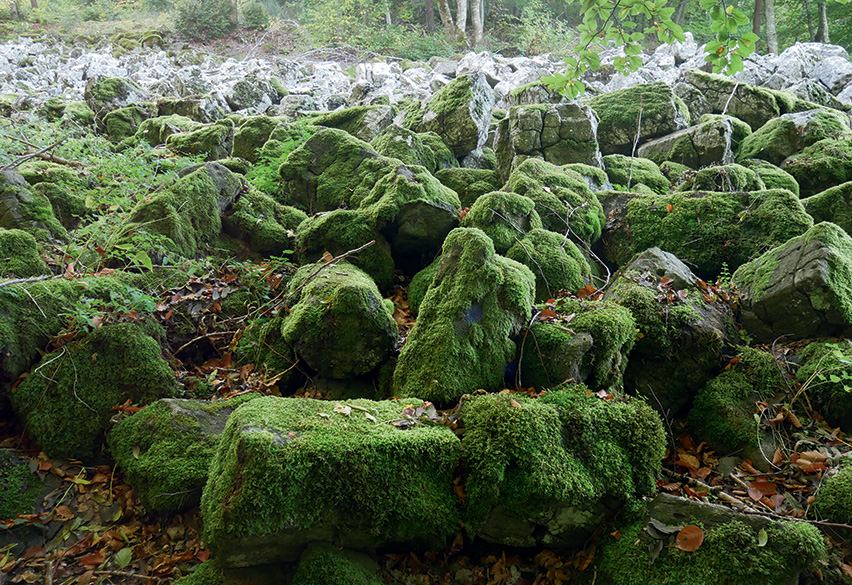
[[63, 513], [203, 555], [669, 208], [44, 465], [687, 460], [689, 538], [92, 559], [514, 403], [778, 457]]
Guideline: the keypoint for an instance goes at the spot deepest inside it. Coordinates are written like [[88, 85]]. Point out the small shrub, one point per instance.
[[204, 19], [253, 16]]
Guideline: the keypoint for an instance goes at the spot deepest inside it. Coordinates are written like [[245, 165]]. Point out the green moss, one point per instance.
[[562, 197], [785, 136], [673, 171], [155, 131], [165, 449], [444, 157], [731, 553], [349, 119], [632, 172], [19, 487], [469, 184], [283, 468], [568, 448], [21, 208], [832, 205], [772, 176], [730, 178], [19, 255], [826, 373], [207, 573], [822, 165], [739, 129], [80, 112], [252, 134], [68, 207], [214, 141], [834, 498], [555, 261], [420, 284], [461, 341], [264, 223], [324, 565], [595, 177], [67, 402], [124, 122], [424, 149], [107, 89], [40, 171], [504, 217]]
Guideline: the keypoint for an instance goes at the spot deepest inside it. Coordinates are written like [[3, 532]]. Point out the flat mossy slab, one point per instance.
[[753, 105], [731, 552], [801, 289], [65, 404], [707, 229], [636, 114], [546, 471], [462, 339], [19, 255], [166, 448], [822, 165], [826, 370], [291, 471]]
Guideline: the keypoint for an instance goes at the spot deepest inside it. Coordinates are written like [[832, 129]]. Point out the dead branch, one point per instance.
[[46, 156], [22, 159]]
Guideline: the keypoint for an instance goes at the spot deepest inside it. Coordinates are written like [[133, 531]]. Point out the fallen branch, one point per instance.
[[45, 156], [22, 159], [26, 280]]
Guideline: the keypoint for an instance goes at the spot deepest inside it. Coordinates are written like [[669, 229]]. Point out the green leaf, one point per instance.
[[123, 557], [834, 378], [762, 537], [142, 258]]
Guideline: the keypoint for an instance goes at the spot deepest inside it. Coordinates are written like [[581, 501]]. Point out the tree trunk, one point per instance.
[[809, 17], [476, 18], [680, 13], [34, 4], [447, 19], [430, 16], [822, 30], [13, 7], [771, 32], [461, 17], [756, 20]]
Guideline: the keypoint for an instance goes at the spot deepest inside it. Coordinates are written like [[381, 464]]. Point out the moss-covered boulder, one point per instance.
[[822, 165], [165, 449], [462, 340], [560, 134], [801, 289], [832, 205], [105, 94], [65, 404], [504, 217], [723, 412], [207, 573], [124, 122], [469, 184], [631, 172], [707, 229], [291, 471], [252, 134], [68, 207], [645, 111], [555, 261], [711, 142], [753, 105], [772, 176], [826, 373], [546, 471], [733, 552], [459, 112], [730, 178], [19, 487], [562, 199], [156, 131], [338, 324], [19, 255], [425, 150], [346, 229], [682, 336], [834, 498], [199, 108], [363, 122], [267, 226], [322, 564], [23, 209], [420, 284], [791, 133], [187, 214], [214, 141]]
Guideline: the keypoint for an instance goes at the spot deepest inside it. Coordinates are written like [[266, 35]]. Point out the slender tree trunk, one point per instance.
[[34, 4], [476, 18], [756, 20], [13, 7], [680, 12], [461, 17], [822, 31], [447, 18], [430, 16], [810, 18], [771, 32]]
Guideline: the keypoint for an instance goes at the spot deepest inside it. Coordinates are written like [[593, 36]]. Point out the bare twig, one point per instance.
[[45, 156], [200, 337], [22, 159], [26, 280], [331, 262]]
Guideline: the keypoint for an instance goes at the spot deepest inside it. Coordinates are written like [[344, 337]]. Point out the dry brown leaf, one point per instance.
[[689, 538], [514, 403]]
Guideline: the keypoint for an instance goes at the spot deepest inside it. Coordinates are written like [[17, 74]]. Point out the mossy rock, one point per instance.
[[426, 150], [19, 255], [66, 404], [620, 112], [789, 134], [555, 261], [156, 131], [707, 229], [207, 573], [325, 565], [363, 122], [596, 178], [338, 324], [41, 171], [105, 94], [772, 176], [165, 449], [825, 371], [753, 105], [723, 411], [822, 165], [834, 499], [544, 472], [124, 122], [21, 208], [730, 178], [674, 172], [562, 197], [469, 184], [80, 113], [267, 226], [214, 141], [290, 471], [504, 217], [20, 488], [420, 284], [341, 230], [462, 338], [252, 134], [68, 207], [832, 205], [733, 551], [631, 172]]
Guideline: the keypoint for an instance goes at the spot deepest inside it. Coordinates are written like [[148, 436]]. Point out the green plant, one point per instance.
[[265, 175], [126, 303], [254, 16], [539, 32], [204, 19]]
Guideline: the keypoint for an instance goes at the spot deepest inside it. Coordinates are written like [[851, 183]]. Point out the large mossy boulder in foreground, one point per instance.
[[801, 289], [546, 471], [65, 404], [707, 229], [733, 551], [290, 471], [19, 255], [165, 449], [462, 340], [504, 217], [338, 324], [822, 165]]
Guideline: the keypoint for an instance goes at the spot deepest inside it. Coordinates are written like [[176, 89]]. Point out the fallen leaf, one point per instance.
[[63, 513], [342, 409], [124, 556], [778, 457], [689, 538], [762, 538], [687, 460], [92, 559], [669, 207], [514, 403]]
